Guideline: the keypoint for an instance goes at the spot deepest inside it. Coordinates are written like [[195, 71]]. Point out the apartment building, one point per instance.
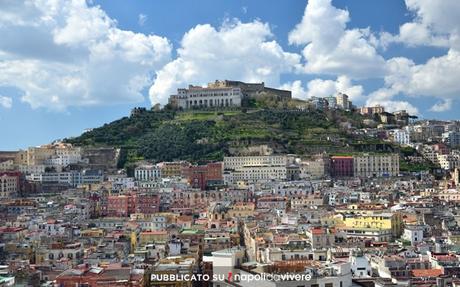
[[314, 169], [378, 225], [372, 110], [204, 176], [172, 169], [343, 102], [451, 138], [448, 161], [342, 166], [257, 173], [254, 168], [376, 165], [9, 185], [147, 172], [401, 136], [237, 162], [71, 178]]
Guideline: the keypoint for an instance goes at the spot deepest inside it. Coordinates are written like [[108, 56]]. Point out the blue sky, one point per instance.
[[70, 65]]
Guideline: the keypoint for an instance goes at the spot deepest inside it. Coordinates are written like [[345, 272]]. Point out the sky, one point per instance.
[[66, 66]]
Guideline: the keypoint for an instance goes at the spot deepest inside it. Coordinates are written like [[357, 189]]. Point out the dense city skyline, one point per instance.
[[233, 143]]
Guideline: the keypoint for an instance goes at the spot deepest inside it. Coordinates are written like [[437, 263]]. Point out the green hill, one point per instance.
[[194, 135]]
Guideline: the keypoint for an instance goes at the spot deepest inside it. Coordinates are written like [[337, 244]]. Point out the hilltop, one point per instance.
[[209, 135]]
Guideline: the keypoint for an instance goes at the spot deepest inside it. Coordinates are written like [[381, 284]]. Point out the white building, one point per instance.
[[32, 169], [72, 178], [360, 265], [253, 174], [293, 189], [256, 168], [147, 173], [413, 233], [226, 260], [207, 97], [121, 182], [236, 162], [451, 138], [343, 102], [401, 137], [448, 161], [63, 160]]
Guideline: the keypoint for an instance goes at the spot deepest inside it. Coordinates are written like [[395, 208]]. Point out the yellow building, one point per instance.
[[381, 221], [21, 157], [153, 236], [331, 220], [38, 155], [93, 232], [133, 239], [172, 169]]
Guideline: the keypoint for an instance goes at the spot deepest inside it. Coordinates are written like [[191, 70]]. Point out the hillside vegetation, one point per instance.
[[193, 135]]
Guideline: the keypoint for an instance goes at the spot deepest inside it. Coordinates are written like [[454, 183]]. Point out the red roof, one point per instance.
[[317, 230], [10, 229], [426, 272]]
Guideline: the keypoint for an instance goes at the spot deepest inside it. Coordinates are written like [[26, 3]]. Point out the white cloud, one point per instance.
[[141, 19], [384, 97], [438, 78], [331, 48], [324, 88], [442, 106], [66, 53], [435, 23], [242, 51], [6, 102], [440, 18], [298, 92]]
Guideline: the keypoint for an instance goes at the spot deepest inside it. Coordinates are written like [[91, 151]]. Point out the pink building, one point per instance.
[[125, 205], [342, 166], [147, 203], [120, 205]]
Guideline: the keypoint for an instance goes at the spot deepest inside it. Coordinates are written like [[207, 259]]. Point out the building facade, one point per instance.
[[369, 165], [343, 102], [147, 173], [342, 166], [237, 162], [206, 97], [9, 185], [401, 137], [204, 176]]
